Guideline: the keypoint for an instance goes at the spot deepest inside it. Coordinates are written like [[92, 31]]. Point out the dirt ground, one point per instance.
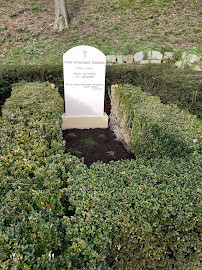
[[95, 144]]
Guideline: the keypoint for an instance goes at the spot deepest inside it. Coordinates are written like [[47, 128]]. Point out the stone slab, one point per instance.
[[119, 59], [178, 64], [128, 59], [144, 61], [168, 55], [83, 122], [197, 68], [155, 61], [192, 58], [111, 58], [156, 55], [138, 56]]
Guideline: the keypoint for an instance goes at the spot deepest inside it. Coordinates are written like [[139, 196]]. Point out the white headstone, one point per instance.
[[84, 81]]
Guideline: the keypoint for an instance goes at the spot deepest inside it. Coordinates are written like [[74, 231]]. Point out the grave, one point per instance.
[[84, 88]]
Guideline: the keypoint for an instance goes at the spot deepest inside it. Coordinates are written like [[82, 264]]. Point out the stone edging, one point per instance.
[[190, 61]]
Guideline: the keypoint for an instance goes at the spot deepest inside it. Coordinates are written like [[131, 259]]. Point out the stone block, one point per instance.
[[178, 64], [156, 55], [111, 58], [144, 61], [155, 61], [128, 59], [197, 68], [168, 56], [119, 59], [191, 58], [138, 56], [69, 122]]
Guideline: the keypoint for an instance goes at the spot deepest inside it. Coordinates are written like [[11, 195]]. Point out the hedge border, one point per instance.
[[58, 214], [150, 128], [181, 87]]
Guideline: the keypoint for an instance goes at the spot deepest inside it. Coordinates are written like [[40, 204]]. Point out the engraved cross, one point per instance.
[[84, 53]]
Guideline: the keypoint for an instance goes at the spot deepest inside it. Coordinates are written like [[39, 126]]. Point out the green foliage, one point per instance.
[[153, 128], [14, 15], [166, 48], [33, 168], [58, 214], [14, 74], [173, 86], [181, 87], [35, 9], [89, 142], [141, 215]]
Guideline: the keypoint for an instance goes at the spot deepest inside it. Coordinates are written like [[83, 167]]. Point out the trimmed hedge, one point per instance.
[[138, 214], [172, 85], [58, 214], [13, 74], [151, 128], [33, 169], [181, 87]]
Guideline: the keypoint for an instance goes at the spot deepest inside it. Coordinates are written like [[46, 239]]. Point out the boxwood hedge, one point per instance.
[[172, 85], [151, 128], [58, 214], [33, 167], [138, 214]]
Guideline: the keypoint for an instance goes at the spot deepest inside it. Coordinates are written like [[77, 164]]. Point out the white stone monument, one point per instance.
[[84, 86]]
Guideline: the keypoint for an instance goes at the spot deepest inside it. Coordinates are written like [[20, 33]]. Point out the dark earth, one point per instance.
[[95, 144]]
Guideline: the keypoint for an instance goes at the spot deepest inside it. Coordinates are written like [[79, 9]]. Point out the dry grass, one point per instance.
[[113, 26]]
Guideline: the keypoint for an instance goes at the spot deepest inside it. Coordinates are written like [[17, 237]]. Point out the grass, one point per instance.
[[101, 136], [71, 134], [111, 153], [74, 151], [113, 26], [89, 142]]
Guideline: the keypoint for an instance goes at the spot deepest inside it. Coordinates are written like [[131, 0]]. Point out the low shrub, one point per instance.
[[58, 214], [151, 128], [181, 87], [33, 169], [172, 85], [137, 214], [13, 74]]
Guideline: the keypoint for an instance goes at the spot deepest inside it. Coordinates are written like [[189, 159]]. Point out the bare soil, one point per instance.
[[95, 144]]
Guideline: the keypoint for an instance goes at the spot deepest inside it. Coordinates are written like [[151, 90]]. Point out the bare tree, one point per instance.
[[62, 18]]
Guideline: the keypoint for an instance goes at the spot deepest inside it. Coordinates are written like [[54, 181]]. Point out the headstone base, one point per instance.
[[84, 122]]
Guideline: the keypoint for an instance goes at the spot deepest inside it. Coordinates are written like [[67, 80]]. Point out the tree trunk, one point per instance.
[[62, 18]]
